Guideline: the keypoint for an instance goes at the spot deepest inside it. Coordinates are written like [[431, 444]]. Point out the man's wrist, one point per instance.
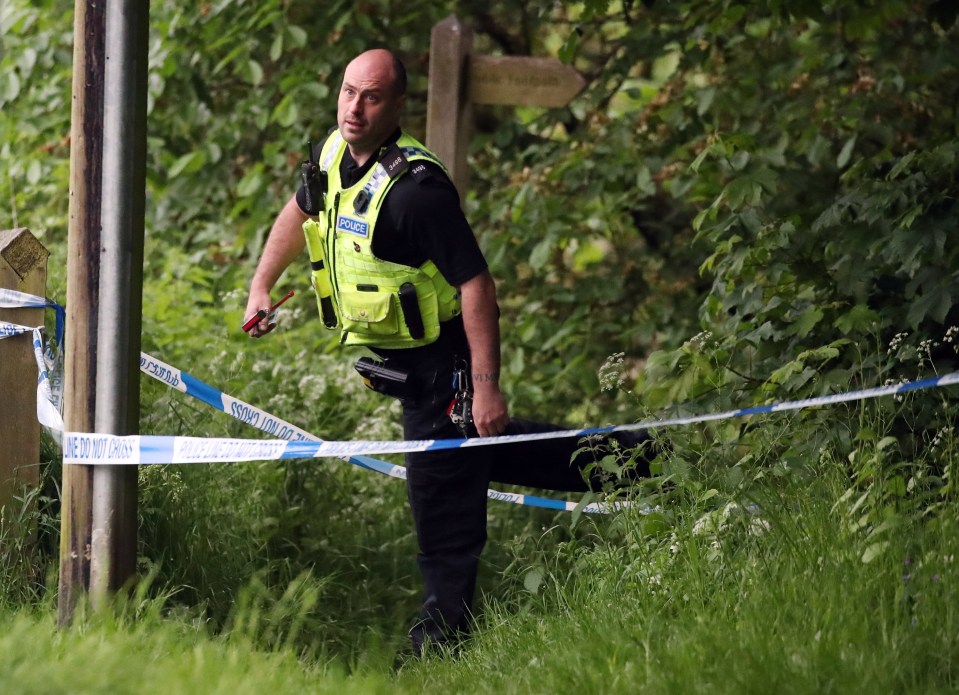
[[485, 381], [481, 377]]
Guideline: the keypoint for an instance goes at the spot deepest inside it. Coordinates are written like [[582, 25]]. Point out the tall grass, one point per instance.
[[785, 599], [782, 592], [150, 654]]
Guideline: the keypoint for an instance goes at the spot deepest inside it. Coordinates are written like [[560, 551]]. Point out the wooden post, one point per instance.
[[459, 79], [83, 277], [449, 115], [101, 364], [23, 267]]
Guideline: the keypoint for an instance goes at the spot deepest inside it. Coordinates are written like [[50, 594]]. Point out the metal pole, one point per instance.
[[113, 538]]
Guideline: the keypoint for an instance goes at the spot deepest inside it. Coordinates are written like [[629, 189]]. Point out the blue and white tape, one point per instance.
[[49, 406], [50, 379], [87, 448], [11, 299], [253, 416], [294, 443], [49, 356], [242, 411]]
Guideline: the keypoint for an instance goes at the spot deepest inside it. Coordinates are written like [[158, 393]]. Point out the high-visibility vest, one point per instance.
[[372, 301]]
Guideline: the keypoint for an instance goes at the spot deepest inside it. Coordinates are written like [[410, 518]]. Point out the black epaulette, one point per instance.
[[420, 172], [394, 161]]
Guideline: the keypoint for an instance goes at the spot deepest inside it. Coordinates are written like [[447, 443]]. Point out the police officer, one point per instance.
[[390, 244]]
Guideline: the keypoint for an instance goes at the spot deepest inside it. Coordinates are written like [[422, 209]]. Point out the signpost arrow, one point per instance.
[[522, 81]]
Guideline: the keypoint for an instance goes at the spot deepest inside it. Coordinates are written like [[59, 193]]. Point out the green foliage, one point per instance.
[[707, 599], [29, 536], [749, 203]]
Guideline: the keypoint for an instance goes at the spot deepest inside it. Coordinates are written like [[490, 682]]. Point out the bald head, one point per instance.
[[370, 102], [385, 63]]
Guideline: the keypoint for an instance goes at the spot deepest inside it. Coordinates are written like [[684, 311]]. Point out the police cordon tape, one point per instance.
[[11, 299], [92, 448], [260, 419], [89, 448], [48, 412], [48, 394]]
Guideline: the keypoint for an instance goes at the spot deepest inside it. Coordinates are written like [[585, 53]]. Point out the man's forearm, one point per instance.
[[284, 244], [481, 321]]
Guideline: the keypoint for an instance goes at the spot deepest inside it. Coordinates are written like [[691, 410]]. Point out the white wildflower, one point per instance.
[[236, 297], [896, 342], [941, 434], [611, 373], [312, 387], [703, 525], [700, 341], [729, 510]]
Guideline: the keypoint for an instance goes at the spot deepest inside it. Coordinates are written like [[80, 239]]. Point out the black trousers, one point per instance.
[[447, 497]]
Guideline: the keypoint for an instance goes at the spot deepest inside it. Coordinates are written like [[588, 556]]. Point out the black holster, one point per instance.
[[386, 379]]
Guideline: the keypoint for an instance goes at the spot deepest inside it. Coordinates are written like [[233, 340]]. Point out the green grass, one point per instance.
[[792, 610], [791, 596], [151, 655]]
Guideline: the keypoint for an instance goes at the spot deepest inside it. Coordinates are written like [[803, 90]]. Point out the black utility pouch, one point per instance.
[[385, 379]]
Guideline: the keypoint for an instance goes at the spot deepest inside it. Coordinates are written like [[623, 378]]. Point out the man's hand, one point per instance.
[[285, 242], [257, 301], [490, 414]]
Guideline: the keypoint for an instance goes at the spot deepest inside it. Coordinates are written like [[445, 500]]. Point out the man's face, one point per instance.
[[368, 109]]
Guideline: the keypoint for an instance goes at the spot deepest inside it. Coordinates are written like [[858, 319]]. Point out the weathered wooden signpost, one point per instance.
[[459, 79], [23, 267]]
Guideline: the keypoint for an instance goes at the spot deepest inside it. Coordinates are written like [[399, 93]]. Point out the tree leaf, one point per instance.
[[846, 153], [806, 321], [187, 164]]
